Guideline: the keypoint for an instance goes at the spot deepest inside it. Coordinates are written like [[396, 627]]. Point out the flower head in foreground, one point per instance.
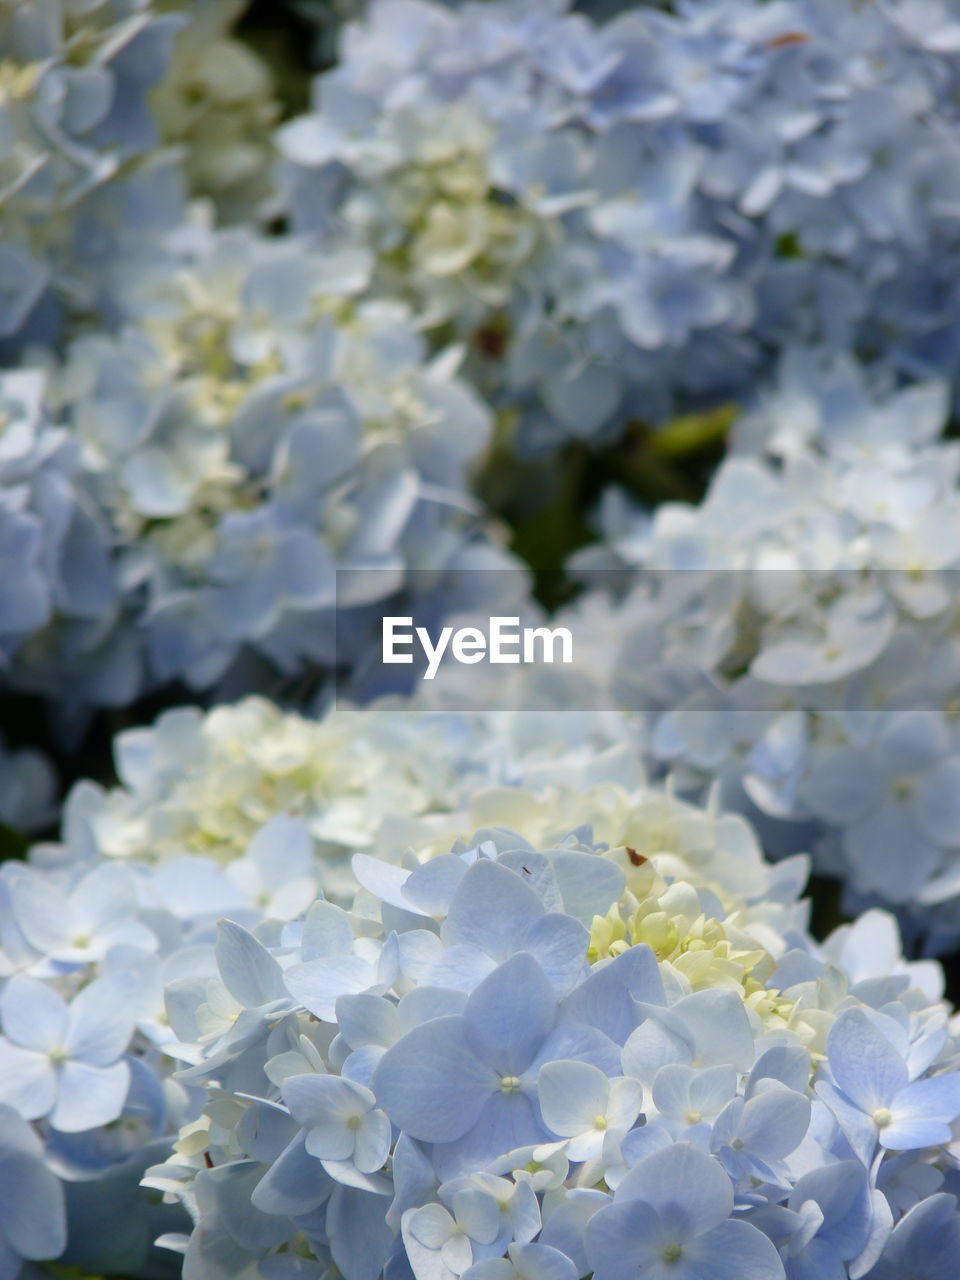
[[497, 1057]]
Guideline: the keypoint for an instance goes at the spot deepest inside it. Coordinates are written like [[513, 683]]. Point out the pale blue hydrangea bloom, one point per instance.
[[791, 634], [64, 1061], [876, 1096], [74, 115], [480, 1065], [798, 166], [54, 557], [246, 812], [256, 426]]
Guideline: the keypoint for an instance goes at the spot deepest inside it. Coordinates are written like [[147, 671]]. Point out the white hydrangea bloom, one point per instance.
[[217, 102]]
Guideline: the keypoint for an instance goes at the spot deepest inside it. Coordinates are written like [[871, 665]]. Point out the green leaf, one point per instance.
[[693, 432]]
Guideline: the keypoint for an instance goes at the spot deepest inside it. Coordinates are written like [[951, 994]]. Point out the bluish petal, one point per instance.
[[540, 1262], [32, 1014], [106, 894], [328, 1140], [565, 1227], [294, 1184], [477, 1212], [491, 909], [89, 1096], [926, 1241], [366, 1019], [559, 945], [506, 1122], [28, 1080], [733, 1251], [788, 1063], [881, 1225], [431, 1084], [571, 1095], [373, 1142], [935, 1096], [318, 984], [864, 1063], [589, 884], [858, 1127], [922, 1114], [282, 847], [683, 1183], [774, 1123], [249, 971], [572, 1043], [938, 802], [605, 999], [42, 912], [493, 1269], [425, 1259], [671, 1089], [718, 1024], [818, 1261], [876, 845], [319, 1099], [327, 930], [102, 1019], [622, 1241], [431, 887], [651, 1047], [234, 1183], [31, 1198], [508, 1016], [841, 1191], [360, 1238]]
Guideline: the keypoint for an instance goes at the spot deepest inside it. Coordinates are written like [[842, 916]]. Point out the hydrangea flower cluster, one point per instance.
[[796, 633], [195, 790], [246, 812], [548, 1053], [410, 991], [216, 103], [55, 570], [74, 85], [542, 974], [620, 214], [256, 426]]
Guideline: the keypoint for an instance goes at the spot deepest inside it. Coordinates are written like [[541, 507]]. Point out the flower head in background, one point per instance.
[[622, 215], [216, 103], [256, 426], [79, 144], [794, 634]]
